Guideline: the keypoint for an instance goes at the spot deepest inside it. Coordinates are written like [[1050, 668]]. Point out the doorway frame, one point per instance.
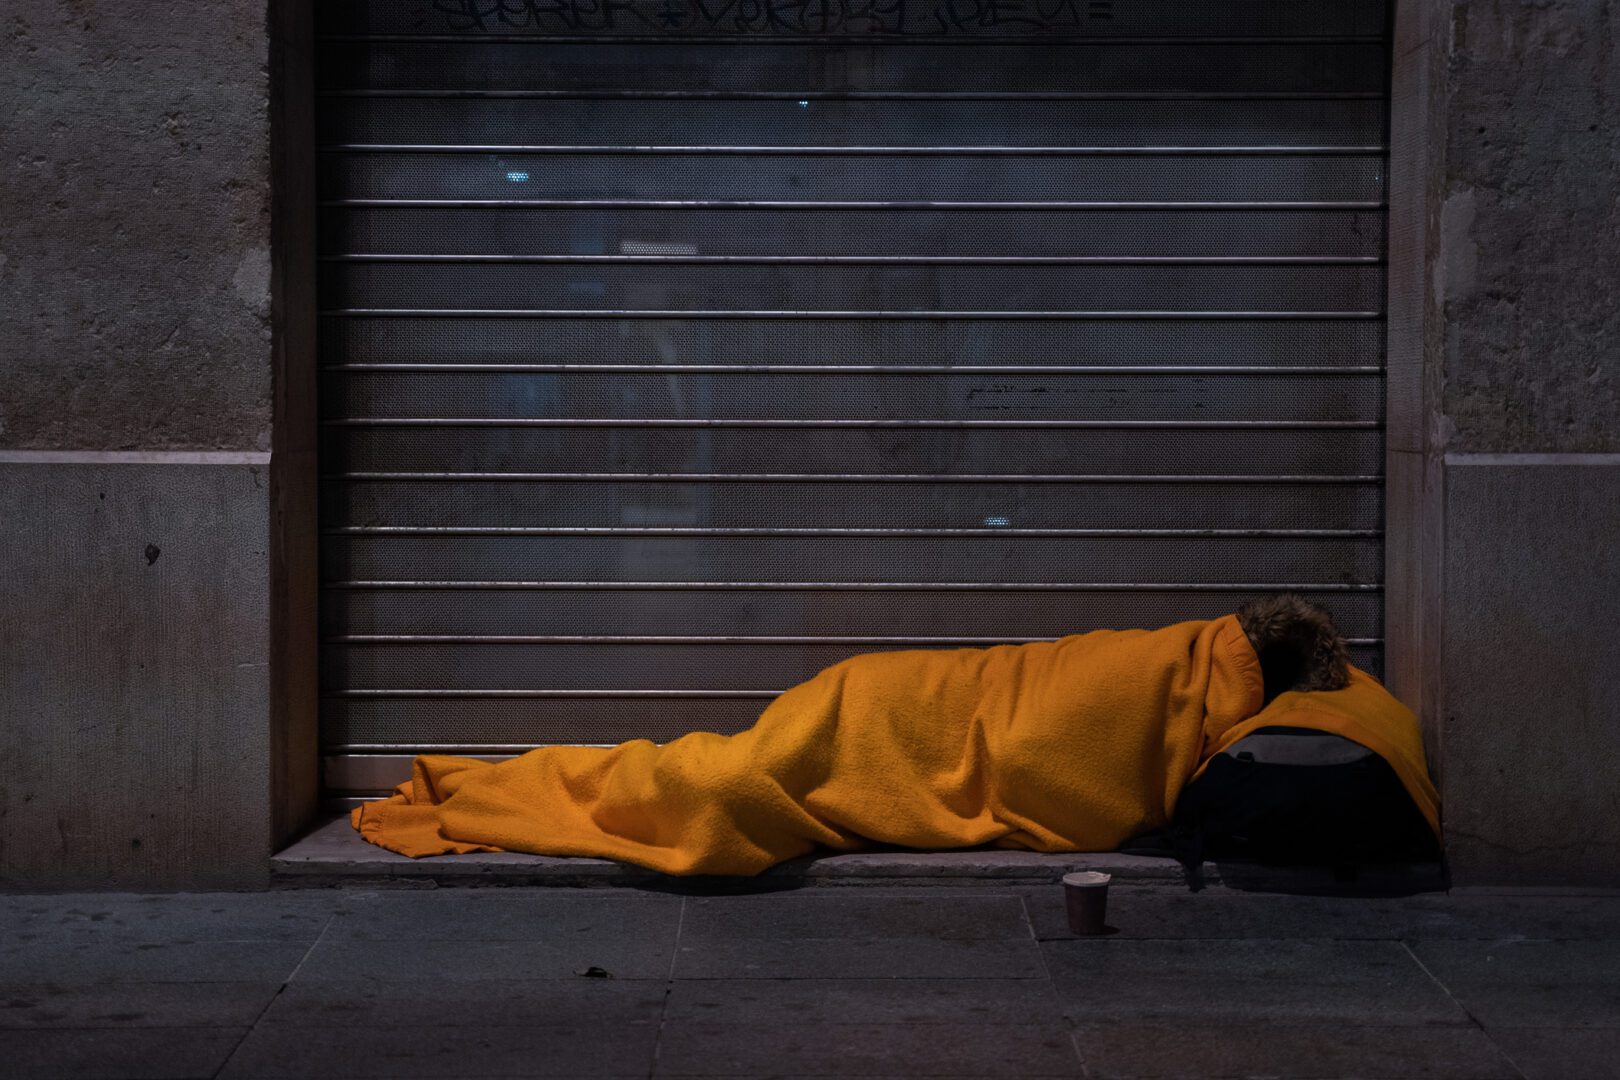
[[1413, 456], [294, 781]]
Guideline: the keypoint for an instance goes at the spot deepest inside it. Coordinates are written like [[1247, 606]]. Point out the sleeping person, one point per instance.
[[1077, 744]]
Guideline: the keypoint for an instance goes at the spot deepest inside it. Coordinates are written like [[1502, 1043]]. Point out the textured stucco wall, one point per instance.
[[1532, 725], [135, 352], [134, 225], [134, 675], [1521, 414], [1530, 266]]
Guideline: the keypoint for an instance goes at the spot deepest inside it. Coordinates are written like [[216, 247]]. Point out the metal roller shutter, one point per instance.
[[672, 350]]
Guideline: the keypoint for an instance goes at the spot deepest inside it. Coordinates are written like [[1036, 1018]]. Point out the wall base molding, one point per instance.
[[1533, 459], [134, 457]]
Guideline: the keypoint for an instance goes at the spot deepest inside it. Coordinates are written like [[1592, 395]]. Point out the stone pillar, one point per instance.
[[1505, 428], [135, 439]]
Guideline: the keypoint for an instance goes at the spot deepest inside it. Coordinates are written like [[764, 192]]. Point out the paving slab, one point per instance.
[[820, 913], [1207, 982], [81, 963], [1139, 1050], [429, 1003], [989, 867], [1552, 918], [1216, 914], [1562, 1053], [1223, 913], [867, 1049], [333, 853], [134, 1004], [111, 917], [290, 1050], [623, 958], [881, 979], [506, 915], [1530, 983], [1365, 880], [784, 1002], [116, 1053], [856, 958]]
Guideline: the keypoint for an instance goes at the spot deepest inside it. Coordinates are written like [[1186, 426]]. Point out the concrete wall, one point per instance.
[[1532, 667], [135, 425], [135, 226], [1529, 271], [148, 579], [1505, 414], [135, 670]]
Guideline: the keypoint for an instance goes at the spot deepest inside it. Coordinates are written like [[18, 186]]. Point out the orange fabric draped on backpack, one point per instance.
[[1077, 744]]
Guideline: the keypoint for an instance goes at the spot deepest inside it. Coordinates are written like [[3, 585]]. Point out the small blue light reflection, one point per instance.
[[517, 177], [996, 521], [804, 104]]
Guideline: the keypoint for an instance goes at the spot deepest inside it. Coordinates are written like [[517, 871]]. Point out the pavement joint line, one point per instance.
[[1465, 1010], [669, 989], [251, 1028], [1051, 988]]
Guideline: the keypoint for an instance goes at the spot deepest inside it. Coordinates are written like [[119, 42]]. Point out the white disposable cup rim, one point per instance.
[[1087, 879]]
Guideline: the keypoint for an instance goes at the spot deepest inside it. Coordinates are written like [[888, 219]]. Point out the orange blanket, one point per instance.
[[1073, 745], [1363, 712]]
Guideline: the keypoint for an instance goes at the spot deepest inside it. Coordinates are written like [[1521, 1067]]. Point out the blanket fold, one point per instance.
[[1362, 712], [1069, 745]]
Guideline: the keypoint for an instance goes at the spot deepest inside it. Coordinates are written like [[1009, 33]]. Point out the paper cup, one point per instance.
[[1086, 895]]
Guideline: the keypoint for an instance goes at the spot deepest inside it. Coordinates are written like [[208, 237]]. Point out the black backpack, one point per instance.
[[1296, 795]]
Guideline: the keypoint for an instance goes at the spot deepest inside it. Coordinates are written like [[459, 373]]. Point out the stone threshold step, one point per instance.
[[333, 855]]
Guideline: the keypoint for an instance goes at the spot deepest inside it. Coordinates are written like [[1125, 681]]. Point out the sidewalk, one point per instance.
[[807, 981]]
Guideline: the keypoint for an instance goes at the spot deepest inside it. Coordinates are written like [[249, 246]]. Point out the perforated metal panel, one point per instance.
[[673, 351]]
